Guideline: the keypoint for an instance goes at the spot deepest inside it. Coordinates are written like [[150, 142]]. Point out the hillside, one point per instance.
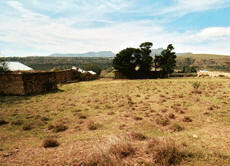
[[120, 122], [204, 61]]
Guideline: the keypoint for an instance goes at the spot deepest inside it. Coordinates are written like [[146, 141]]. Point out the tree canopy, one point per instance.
[[134, 59], [167, 60], [131, 60]]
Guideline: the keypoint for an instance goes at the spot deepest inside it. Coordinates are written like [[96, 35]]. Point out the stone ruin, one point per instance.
[[34, 82]]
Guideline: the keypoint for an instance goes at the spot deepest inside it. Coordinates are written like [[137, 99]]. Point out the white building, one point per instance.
[[16, 66]]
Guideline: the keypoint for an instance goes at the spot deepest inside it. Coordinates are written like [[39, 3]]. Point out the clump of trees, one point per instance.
[[140, 61]]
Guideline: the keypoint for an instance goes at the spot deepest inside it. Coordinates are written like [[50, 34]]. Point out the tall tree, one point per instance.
[[146, 59], [131, 60], [167, 60], [126, 61]]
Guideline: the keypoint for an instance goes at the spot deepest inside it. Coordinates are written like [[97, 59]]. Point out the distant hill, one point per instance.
[[88, 54]]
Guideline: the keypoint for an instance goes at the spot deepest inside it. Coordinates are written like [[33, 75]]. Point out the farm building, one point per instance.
[[17, 66]]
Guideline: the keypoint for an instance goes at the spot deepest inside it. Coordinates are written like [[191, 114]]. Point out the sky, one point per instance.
[[44, 27]]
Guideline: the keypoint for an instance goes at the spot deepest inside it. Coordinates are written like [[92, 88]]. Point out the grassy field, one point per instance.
[[120, 122]]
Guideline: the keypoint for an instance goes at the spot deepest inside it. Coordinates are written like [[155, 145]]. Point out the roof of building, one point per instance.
[[17, 66], [81, 70], [92, 72]]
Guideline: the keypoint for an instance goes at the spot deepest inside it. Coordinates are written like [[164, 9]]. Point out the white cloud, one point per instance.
[[214, 33], [35, 31], [183, 7]]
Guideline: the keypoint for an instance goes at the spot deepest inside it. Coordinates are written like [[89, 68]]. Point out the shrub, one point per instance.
[[3, 122], [137, 118], [196, 85], [176, 127], [81, 116], [45, 119], [17, 122], [59, 127], [164, 121], [164, 152], [187, 119], [27, 126], [50, 142], [172, 116], [92, 125]]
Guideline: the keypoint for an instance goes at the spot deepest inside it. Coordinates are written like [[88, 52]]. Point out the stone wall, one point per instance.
[[26, 83], [11, 84], [16, 83], [67, 75], [39, 82]]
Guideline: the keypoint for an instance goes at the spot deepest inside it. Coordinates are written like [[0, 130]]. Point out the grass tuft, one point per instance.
[[164, 152], [110, 152], [50, 143]]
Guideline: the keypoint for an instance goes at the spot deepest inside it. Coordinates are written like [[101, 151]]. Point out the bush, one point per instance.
[[196, 85], [187, 119], [164, 121], [27, 126], [92, 125], [17, 122], [59, 127], [176, 127], [50, 142], [3, 122], [80, 116]]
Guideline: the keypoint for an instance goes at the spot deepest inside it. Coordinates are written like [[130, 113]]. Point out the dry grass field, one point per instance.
[[120, 122]]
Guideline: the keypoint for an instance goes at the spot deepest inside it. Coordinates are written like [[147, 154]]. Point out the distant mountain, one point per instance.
[[100, 54], [88, 54]]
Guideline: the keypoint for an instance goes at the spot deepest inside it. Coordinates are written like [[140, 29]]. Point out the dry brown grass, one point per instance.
[[164, 152], [110, 152], [138, 136], [162, 120], [155, 108]]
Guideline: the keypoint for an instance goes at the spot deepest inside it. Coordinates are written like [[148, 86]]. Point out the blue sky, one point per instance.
[[43, 27]]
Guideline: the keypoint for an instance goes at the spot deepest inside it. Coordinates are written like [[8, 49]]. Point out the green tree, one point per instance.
[[126, 60], [167, 60], [131, 60], [146, 60]]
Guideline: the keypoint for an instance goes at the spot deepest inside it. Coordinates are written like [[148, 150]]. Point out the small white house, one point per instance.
[[17, 66]]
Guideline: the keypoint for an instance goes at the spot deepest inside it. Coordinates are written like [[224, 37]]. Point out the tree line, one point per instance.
[[139, 61]]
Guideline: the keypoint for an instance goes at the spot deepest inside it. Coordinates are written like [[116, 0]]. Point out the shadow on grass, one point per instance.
[[10, 99]]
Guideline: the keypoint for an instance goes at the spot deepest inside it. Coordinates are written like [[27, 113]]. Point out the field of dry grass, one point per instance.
[[119, 122]]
